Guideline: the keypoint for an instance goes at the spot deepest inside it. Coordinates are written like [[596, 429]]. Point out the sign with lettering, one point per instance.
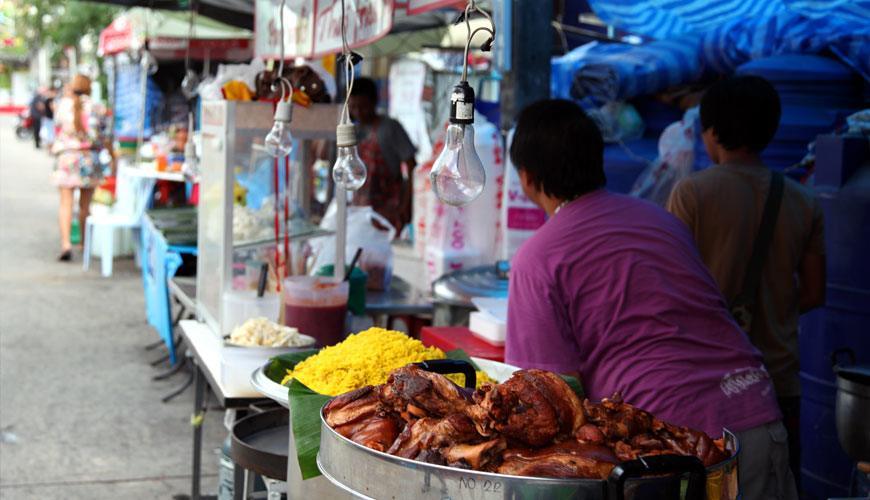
[[312, 28], [413, 7]]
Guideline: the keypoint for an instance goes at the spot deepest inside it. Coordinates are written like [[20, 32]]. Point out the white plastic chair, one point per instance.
[[132, 194]]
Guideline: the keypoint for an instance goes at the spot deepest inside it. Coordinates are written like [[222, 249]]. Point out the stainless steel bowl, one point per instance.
[[366, 473], [853, 415]]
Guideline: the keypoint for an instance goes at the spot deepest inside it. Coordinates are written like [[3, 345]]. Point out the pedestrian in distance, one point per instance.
[[76, 149]]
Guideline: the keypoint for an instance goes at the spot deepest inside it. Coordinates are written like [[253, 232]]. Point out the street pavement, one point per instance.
[[80, 417]]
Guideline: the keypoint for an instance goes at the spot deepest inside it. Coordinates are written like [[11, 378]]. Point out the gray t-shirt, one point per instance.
[[395, 144]]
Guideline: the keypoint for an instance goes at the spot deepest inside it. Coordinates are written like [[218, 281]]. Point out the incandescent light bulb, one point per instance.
[[278, 141], [148, 62], [190, 84], [458, 176], [349, 170]]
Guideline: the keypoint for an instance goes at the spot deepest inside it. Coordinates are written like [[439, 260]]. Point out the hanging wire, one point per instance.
[[348, 69], [469, 9], [190, 35], [281, 61]]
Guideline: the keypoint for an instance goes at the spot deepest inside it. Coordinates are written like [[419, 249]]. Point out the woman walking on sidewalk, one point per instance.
[[77, 166]]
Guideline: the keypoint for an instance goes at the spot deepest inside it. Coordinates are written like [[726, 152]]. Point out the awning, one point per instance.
[[312, 28], [167, 34], [237, 13]]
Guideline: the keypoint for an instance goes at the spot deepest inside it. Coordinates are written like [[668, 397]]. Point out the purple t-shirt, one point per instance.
[[613, 287]]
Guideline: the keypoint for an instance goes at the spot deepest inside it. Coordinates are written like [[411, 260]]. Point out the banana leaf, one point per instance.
[[575, 385], [305, 406], [279, 365]]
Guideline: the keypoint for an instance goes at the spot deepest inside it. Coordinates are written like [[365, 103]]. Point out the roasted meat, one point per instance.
[[415, 393], [635, 433], [359, 416], [531, 425], [563, 460], [617, 420], [475, 456], [433, 434], [533, 407], [352, 406]]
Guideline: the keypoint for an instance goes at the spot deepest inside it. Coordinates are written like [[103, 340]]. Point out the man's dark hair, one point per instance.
[[743, 111], [365, 87], [559, 148]]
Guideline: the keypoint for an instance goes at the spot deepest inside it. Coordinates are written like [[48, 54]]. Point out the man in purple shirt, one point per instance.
[[613, 289]]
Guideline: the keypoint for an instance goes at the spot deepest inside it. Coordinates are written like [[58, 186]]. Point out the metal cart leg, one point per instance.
[[154, 345], [169, 397], [180, 365], [196, 420], [161, 359]]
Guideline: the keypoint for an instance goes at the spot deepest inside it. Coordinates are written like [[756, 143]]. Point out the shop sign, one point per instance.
[[413, 7], [312, 28]]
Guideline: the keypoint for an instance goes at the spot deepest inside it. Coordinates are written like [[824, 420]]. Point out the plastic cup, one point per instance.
[[356, 302], [241, 305], [316, 306]]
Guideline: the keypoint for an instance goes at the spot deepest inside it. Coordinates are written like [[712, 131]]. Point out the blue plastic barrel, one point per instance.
[[843, 322]]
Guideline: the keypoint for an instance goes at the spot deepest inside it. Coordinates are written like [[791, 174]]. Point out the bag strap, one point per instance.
[[762, 240]]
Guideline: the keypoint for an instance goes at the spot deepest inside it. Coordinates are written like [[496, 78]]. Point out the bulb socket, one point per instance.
[[345, 135], [284, 111], [462, 104]]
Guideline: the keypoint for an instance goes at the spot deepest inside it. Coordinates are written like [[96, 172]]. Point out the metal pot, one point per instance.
[[370, 474], [853, 406], [453, 292], [366, 473]]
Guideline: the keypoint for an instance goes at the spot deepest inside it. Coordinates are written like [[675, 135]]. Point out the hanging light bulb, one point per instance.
[[190, 84], [349, 171], [190, 167], [458, 176], [278, 141], [148, 62]]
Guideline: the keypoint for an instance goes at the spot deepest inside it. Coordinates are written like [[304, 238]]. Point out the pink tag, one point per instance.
[[527, 219]]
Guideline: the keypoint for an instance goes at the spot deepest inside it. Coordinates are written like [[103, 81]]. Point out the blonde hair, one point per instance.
[[79, 86]]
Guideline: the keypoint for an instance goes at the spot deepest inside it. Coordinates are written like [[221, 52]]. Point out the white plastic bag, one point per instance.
[[520, 217], [448, 247], [46, 131], [377, 255], [676, 160]]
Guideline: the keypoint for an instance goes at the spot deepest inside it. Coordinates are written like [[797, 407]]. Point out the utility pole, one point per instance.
[[523, 53]]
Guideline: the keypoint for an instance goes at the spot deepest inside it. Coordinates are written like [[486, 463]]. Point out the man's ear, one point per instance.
[[529, 187]]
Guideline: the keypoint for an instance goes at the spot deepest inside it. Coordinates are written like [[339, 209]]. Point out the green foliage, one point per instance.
[[80, 19], [63, 22]]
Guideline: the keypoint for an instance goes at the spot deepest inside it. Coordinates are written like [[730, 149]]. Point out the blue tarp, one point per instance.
[[700, 37], [159, 264]]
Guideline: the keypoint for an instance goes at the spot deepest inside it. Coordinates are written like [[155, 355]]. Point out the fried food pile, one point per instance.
[[531, 425]]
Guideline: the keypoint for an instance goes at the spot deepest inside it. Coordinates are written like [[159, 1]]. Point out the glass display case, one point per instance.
[[243, 194]]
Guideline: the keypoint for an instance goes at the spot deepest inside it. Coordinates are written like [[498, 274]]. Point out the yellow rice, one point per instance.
[[365, 358]]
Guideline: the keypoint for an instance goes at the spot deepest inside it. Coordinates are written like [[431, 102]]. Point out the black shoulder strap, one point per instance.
[[762, 240]]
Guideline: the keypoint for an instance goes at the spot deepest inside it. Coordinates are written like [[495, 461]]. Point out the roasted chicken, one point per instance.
[[531, 425], [533, 407], [416, 393], [563, 460]]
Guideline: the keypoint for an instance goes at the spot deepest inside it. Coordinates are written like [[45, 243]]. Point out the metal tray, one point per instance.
[[370, 474], [258, 443]]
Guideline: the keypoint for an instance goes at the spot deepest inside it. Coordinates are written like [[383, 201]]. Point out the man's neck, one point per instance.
[[740, 157], [549, 204]]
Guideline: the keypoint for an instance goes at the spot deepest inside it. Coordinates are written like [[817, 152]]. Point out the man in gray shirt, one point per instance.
[[383, 146]]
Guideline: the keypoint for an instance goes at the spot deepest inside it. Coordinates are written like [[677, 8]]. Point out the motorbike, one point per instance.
[[24, 127]]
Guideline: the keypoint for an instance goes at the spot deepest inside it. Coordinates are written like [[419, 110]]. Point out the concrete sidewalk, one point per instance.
[[79, 414]]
